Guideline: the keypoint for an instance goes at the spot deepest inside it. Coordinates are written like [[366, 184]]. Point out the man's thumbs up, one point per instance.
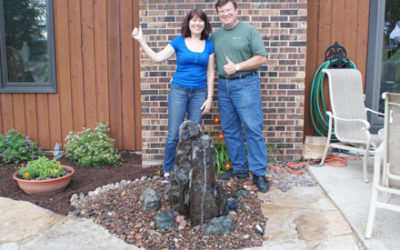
[[229, 67]]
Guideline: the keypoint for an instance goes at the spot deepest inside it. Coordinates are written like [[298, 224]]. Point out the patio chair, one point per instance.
[[349, 115], [389, 150]]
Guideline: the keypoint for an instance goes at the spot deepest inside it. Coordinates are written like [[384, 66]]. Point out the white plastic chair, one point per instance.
[[389, 151], [349, 115]]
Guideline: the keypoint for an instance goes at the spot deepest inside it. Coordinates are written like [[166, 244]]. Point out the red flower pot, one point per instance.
[[45, 186]]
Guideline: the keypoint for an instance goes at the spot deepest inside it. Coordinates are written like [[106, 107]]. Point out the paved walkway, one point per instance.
[[301, 218]]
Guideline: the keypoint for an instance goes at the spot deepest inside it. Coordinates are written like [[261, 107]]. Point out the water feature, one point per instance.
[[193, 190]]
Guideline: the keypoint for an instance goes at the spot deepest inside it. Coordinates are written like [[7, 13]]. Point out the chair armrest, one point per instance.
[[375, 112], [364, 122]]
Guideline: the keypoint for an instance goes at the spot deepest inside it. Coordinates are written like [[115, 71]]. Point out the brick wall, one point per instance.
[[282, 25]]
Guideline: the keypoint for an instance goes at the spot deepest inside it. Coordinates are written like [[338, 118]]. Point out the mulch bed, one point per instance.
[[83, 181]]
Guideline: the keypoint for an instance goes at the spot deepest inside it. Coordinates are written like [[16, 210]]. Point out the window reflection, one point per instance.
[[26, 40]]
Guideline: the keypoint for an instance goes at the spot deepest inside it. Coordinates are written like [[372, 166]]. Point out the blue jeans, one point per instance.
[[181, 101], [240, 103]]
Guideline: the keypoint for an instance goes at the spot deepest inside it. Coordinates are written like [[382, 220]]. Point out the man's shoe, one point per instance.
[[261, 182], [235, 173]]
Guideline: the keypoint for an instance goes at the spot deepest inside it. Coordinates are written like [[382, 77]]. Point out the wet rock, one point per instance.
[[220, 226], [164, 221], [152, 200], [194, 191]]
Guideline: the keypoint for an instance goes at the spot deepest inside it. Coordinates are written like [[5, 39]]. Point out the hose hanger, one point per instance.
[[337, 57]]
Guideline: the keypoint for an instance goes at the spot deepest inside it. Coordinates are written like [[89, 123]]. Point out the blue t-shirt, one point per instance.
[[191, 68]]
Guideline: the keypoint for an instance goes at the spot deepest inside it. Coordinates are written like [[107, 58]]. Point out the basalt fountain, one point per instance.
[[193, 190]]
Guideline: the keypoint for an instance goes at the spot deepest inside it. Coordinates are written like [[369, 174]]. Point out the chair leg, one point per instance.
[[374, 196], [328, 141], [372, 212], [365, 171]]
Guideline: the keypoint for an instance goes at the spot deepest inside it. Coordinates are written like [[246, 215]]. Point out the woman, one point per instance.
[[192, 85]]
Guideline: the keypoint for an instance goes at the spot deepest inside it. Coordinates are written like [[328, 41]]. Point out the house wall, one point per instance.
[[282, 25], [344, 21], [97, 67]]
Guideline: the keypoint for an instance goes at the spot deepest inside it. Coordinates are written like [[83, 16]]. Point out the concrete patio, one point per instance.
[[346, 188]]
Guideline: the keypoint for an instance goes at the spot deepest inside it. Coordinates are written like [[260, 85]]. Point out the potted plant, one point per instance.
[[42, 176]]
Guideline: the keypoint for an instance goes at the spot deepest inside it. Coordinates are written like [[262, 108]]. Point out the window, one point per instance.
[[383, 62], [27, 62]]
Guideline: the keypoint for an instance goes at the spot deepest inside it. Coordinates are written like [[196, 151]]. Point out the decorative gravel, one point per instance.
[[119, 208]]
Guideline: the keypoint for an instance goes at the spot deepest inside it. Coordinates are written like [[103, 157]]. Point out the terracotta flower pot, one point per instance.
[[45, 186]]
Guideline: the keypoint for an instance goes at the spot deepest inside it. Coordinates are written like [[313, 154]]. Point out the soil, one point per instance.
[[83, 181]]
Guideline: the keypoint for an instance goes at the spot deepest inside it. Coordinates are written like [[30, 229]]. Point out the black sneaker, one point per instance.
[[261, 182], [235, 173]]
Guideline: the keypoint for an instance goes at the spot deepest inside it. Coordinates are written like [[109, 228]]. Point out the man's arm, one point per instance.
[[251, 63]]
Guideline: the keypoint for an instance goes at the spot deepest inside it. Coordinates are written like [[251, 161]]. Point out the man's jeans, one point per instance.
[[240, 103], [180, 101]]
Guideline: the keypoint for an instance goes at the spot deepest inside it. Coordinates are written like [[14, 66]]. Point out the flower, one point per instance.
[[26, 175], [221, 136], [228, 165]]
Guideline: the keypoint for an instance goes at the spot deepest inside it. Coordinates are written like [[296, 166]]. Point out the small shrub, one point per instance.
[[15, 147], [42, 169], [92, 148]]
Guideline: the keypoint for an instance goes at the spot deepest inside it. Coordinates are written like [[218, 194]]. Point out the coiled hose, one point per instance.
[[319, 119]]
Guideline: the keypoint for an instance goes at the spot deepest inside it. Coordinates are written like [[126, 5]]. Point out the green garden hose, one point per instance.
[[319, 119]]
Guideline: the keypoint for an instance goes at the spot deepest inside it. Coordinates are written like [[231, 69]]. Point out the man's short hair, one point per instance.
[[220, 3]]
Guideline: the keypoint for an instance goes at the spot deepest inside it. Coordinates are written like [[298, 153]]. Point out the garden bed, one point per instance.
[[83, 181]]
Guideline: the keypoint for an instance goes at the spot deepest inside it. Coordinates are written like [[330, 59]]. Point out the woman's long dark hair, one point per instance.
[[202, 15]]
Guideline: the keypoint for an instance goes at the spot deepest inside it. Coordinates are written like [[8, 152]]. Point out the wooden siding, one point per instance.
[[97, 67], [344, 21]]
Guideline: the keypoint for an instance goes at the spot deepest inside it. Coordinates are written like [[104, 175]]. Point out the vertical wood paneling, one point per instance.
[[1, 116], [75, 53], [350, 29], [362, 37], [128, 122], [43, 120], [55, 129], [345, 21], [19, 113], [88, 63], [7, 111], [101, 58], [63, 66], [114, 69], [31, 116], [97, 67], [136, 83]]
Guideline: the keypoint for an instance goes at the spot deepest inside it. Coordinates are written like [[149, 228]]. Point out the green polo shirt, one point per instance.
[[238, 44]]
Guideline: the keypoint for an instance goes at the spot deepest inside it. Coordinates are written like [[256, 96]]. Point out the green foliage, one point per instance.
[[221, 156], [92, 148], [42, 169], [24, 20], [223, 162], [16, 147]]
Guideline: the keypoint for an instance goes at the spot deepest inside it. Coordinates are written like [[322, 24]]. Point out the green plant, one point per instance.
[[16, 147], [42, 169], [92, 148], [223, 162]]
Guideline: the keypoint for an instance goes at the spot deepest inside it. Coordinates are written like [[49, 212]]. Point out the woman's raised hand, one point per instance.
[[137, 33]]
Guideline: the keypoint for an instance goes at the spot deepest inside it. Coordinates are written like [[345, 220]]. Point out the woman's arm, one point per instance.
[[163, 55], [206, 107]]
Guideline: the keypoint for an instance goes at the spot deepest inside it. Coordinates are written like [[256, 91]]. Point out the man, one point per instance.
[[239, 51]]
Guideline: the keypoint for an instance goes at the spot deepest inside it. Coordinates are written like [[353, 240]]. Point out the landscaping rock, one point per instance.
[[164, 221], [152, 200], [220, 226]]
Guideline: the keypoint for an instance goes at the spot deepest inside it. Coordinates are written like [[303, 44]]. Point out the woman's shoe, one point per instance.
[[165, 179]]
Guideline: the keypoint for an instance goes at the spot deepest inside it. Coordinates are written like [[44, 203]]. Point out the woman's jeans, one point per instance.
[[240, 103], [181, 101]]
